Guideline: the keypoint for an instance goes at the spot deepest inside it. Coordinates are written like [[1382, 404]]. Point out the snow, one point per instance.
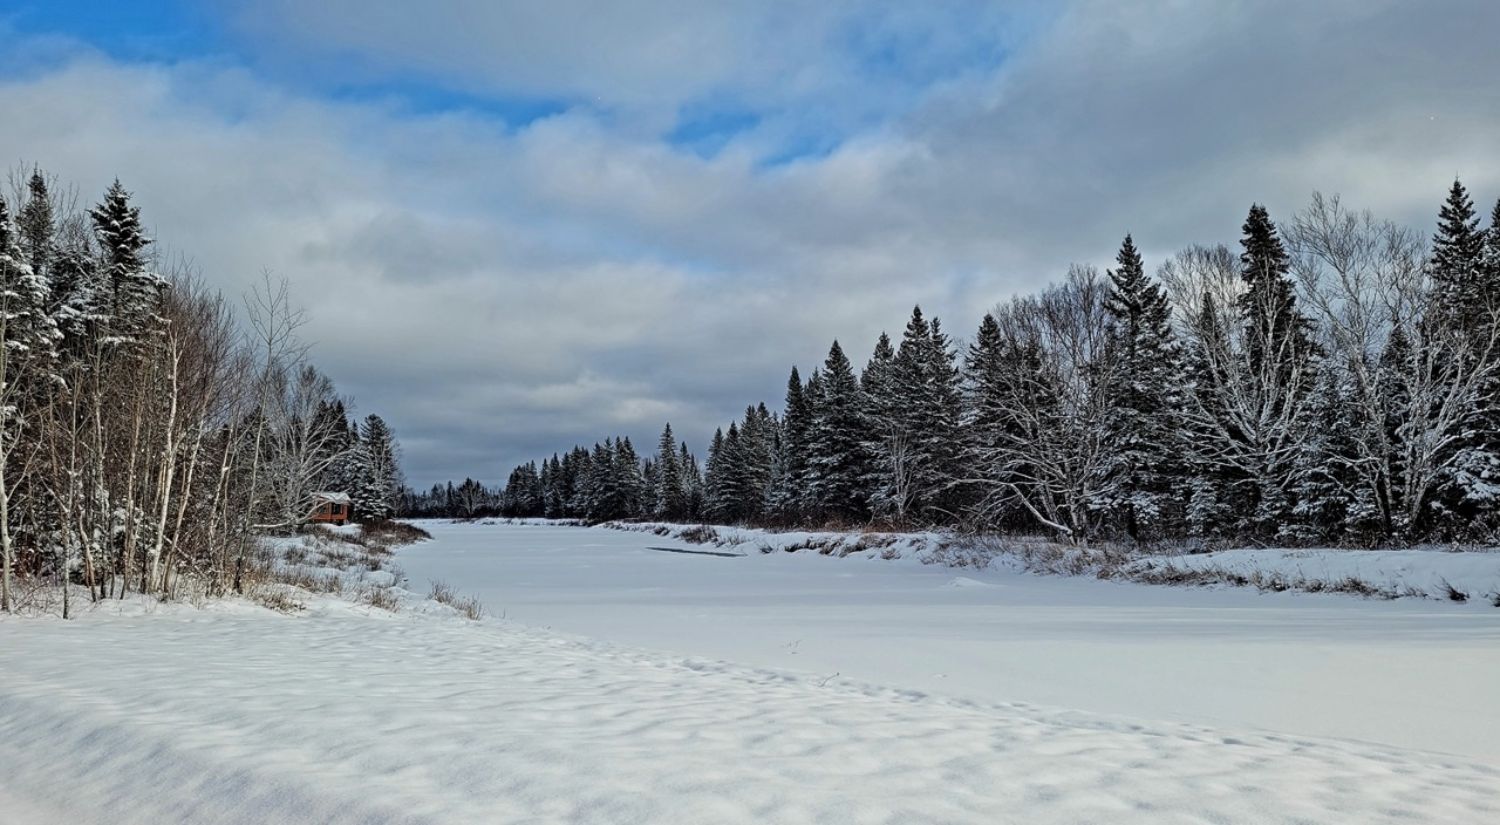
[[769, 688], [1426, 572], [1423, 671]]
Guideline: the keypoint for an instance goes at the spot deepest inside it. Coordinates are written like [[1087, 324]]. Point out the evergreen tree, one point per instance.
[[757, 457], [692, 482], [1144, 390], [132, 292], [671, 497], [942, 493], [1281, 370], [628, 480], [379, 472], [717, 486], [1466, 286], [36, 225], [985, 402], [789, 494], [837, 460], [1457, 262], [28, 333]]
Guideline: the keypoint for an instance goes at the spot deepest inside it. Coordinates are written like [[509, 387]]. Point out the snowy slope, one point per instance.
[[1425, 573], [344, 717]]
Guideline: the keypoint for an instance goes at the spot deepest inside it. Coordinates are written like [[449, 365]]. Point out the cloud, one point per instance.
[[501, 290]]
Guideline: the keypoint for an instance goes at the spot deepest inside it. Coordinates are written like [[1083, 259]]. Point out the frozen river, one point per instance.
[[1410, 674]]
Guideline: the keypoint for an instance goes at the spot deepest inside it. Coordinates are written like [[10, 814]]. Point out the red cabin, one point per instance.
[[331, 508]]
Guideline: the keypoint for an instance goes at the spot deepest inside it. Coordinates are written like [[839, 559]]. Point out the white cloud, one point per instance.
[[502, 292]]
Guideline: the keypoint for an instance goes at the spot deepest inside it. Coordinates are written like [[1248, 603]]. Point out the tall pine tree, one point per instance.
[[1145, 395]]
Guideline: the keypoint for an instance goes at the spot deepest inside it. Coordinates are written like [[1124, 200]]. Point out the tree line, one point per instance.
[[1334, 381], [147, 435]]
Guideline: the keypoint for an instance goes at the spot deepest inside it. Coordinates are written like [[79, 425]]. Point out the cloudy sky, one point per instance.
[[519, 225]]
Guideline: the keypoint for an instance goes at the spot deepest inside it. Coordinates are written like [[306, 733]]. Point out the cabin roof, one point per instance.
[[331, 498]]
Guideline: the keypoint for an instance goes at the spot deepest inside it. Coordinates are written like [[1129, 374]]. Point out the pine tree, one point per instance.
[[671, 497], [29, 333], [628, 480], [1466, 286], [36, 225], [1277, 334], [913, 415], [133, 292], [1457, 262], [1144, 393], [1281, 371], [692, 482], [789, 494], [717, 484], [837, 460], [887, 439], [942, 493], [379, 473], [758, 437]]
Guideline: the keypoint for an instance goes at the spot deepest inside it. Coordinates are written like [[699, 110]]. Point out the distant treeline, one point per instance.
[[1334, 382]]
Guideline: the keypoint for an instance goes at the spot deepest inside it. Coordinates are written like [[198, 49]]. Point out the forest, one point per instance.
[[148, 430], [1332, 382]]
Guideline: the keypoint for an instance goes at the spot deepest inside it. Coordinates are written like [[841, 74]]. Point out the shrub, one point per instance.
[[467, 606], [383, 598], [700, 534]]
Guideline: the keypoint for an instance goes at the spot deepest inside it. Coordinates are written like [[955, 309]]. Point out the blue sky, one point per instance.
[[894, 64], [552, 222]]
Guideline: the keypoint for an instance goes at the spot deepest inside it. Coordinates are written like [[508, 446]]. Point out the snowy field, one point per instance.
[[1409, 673], [630, 685]]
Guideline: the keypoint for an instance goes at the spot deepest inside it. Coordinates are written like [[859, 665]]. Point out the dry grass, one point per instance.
[[381, 597], [384, 535], [1453, 593], [467, 606], [700, 534], [308, 580], [277, 599], [1273, 581]]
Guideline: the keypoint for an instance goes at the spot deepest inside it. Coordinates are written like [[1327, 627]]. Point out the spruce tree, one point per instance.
[[29, 334], [36, 225], [132, 292], [1456, 265], [718, 487], [837, 463], [1281, 370], [1144, 394], [758, 437], [1466, 287], [671, 497], [379, 471], [942, 494], [789, 496], [628, 480], [692, 482]]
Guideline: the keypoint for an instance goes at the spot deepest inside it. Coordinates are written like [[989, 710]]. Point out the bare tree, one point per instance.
[[1050, 455]]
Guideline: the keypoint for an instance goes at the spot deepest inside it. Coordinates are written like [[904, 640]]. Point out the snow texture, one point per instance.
[[706, 695]]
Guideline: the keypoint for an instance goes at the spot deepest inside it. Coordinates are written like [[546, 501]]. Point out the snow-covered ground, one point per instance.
[[1431, 573], [630, 685], [1408, 673]]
